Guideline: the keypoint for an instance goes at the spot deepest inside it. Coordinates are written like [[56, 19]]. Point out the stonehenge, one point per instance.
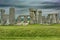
[[53, 18], [34, 14]]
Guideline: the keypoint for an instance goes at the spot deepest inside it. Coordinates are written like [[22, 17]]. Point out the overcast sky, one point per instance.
[[22, 6]]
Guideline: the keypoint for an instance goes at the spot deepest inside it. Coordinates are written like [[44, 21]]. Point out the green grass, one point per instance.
[[30, 32], [32, 38]]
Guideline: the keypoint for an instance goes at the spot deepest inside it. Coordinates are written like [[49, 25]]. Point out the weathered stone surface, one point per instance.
[[19, 19], [33, 16], [53, 18], [25, 19], [43, 20], [12, 16], [39, 17]]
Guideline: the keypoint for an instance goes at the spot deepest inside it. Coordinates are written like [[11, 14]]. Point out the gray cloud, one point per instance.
[[30, 3], [22, 6]]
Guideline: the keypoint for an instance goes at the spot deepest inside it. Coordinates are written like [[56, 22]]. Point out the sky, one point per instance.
[[22, 6]]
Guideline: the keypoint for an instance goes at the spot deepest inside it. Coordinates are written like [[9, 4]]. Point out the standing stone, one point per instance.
[[33, 16], [49, 18], [53, 18], [39, 17], [2, 16], [57, 17], [12, 16], [25, 18], [19, 19], [5, 19], [43, 20], [35, 13]]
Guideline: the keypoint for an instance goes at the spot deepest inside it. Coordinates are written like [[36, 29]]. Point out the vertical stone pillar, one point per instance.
[[49, 18], [54, 19], [12, 16], [43, 20], [35, 13], [25, 18], [33, 16], [19, 19], [5, 19], [40, 17], [57, 17], [2, 16]]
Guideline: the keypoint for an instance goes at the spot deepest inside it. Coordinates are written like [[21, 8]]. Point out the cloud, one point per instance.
[[22, 6], [30, 3]]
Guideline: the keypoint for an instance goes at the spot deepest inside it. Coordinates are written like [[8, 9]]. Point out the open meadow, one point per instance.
[[30, 32]]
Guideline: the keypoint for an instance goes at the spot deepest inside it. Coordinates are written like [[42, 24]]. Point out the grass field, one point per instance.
[[32, 38], [30, 32]]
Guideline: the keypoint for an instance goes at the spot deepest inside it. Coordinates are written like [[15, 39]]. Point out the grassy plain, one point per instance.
[[30, 32]]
